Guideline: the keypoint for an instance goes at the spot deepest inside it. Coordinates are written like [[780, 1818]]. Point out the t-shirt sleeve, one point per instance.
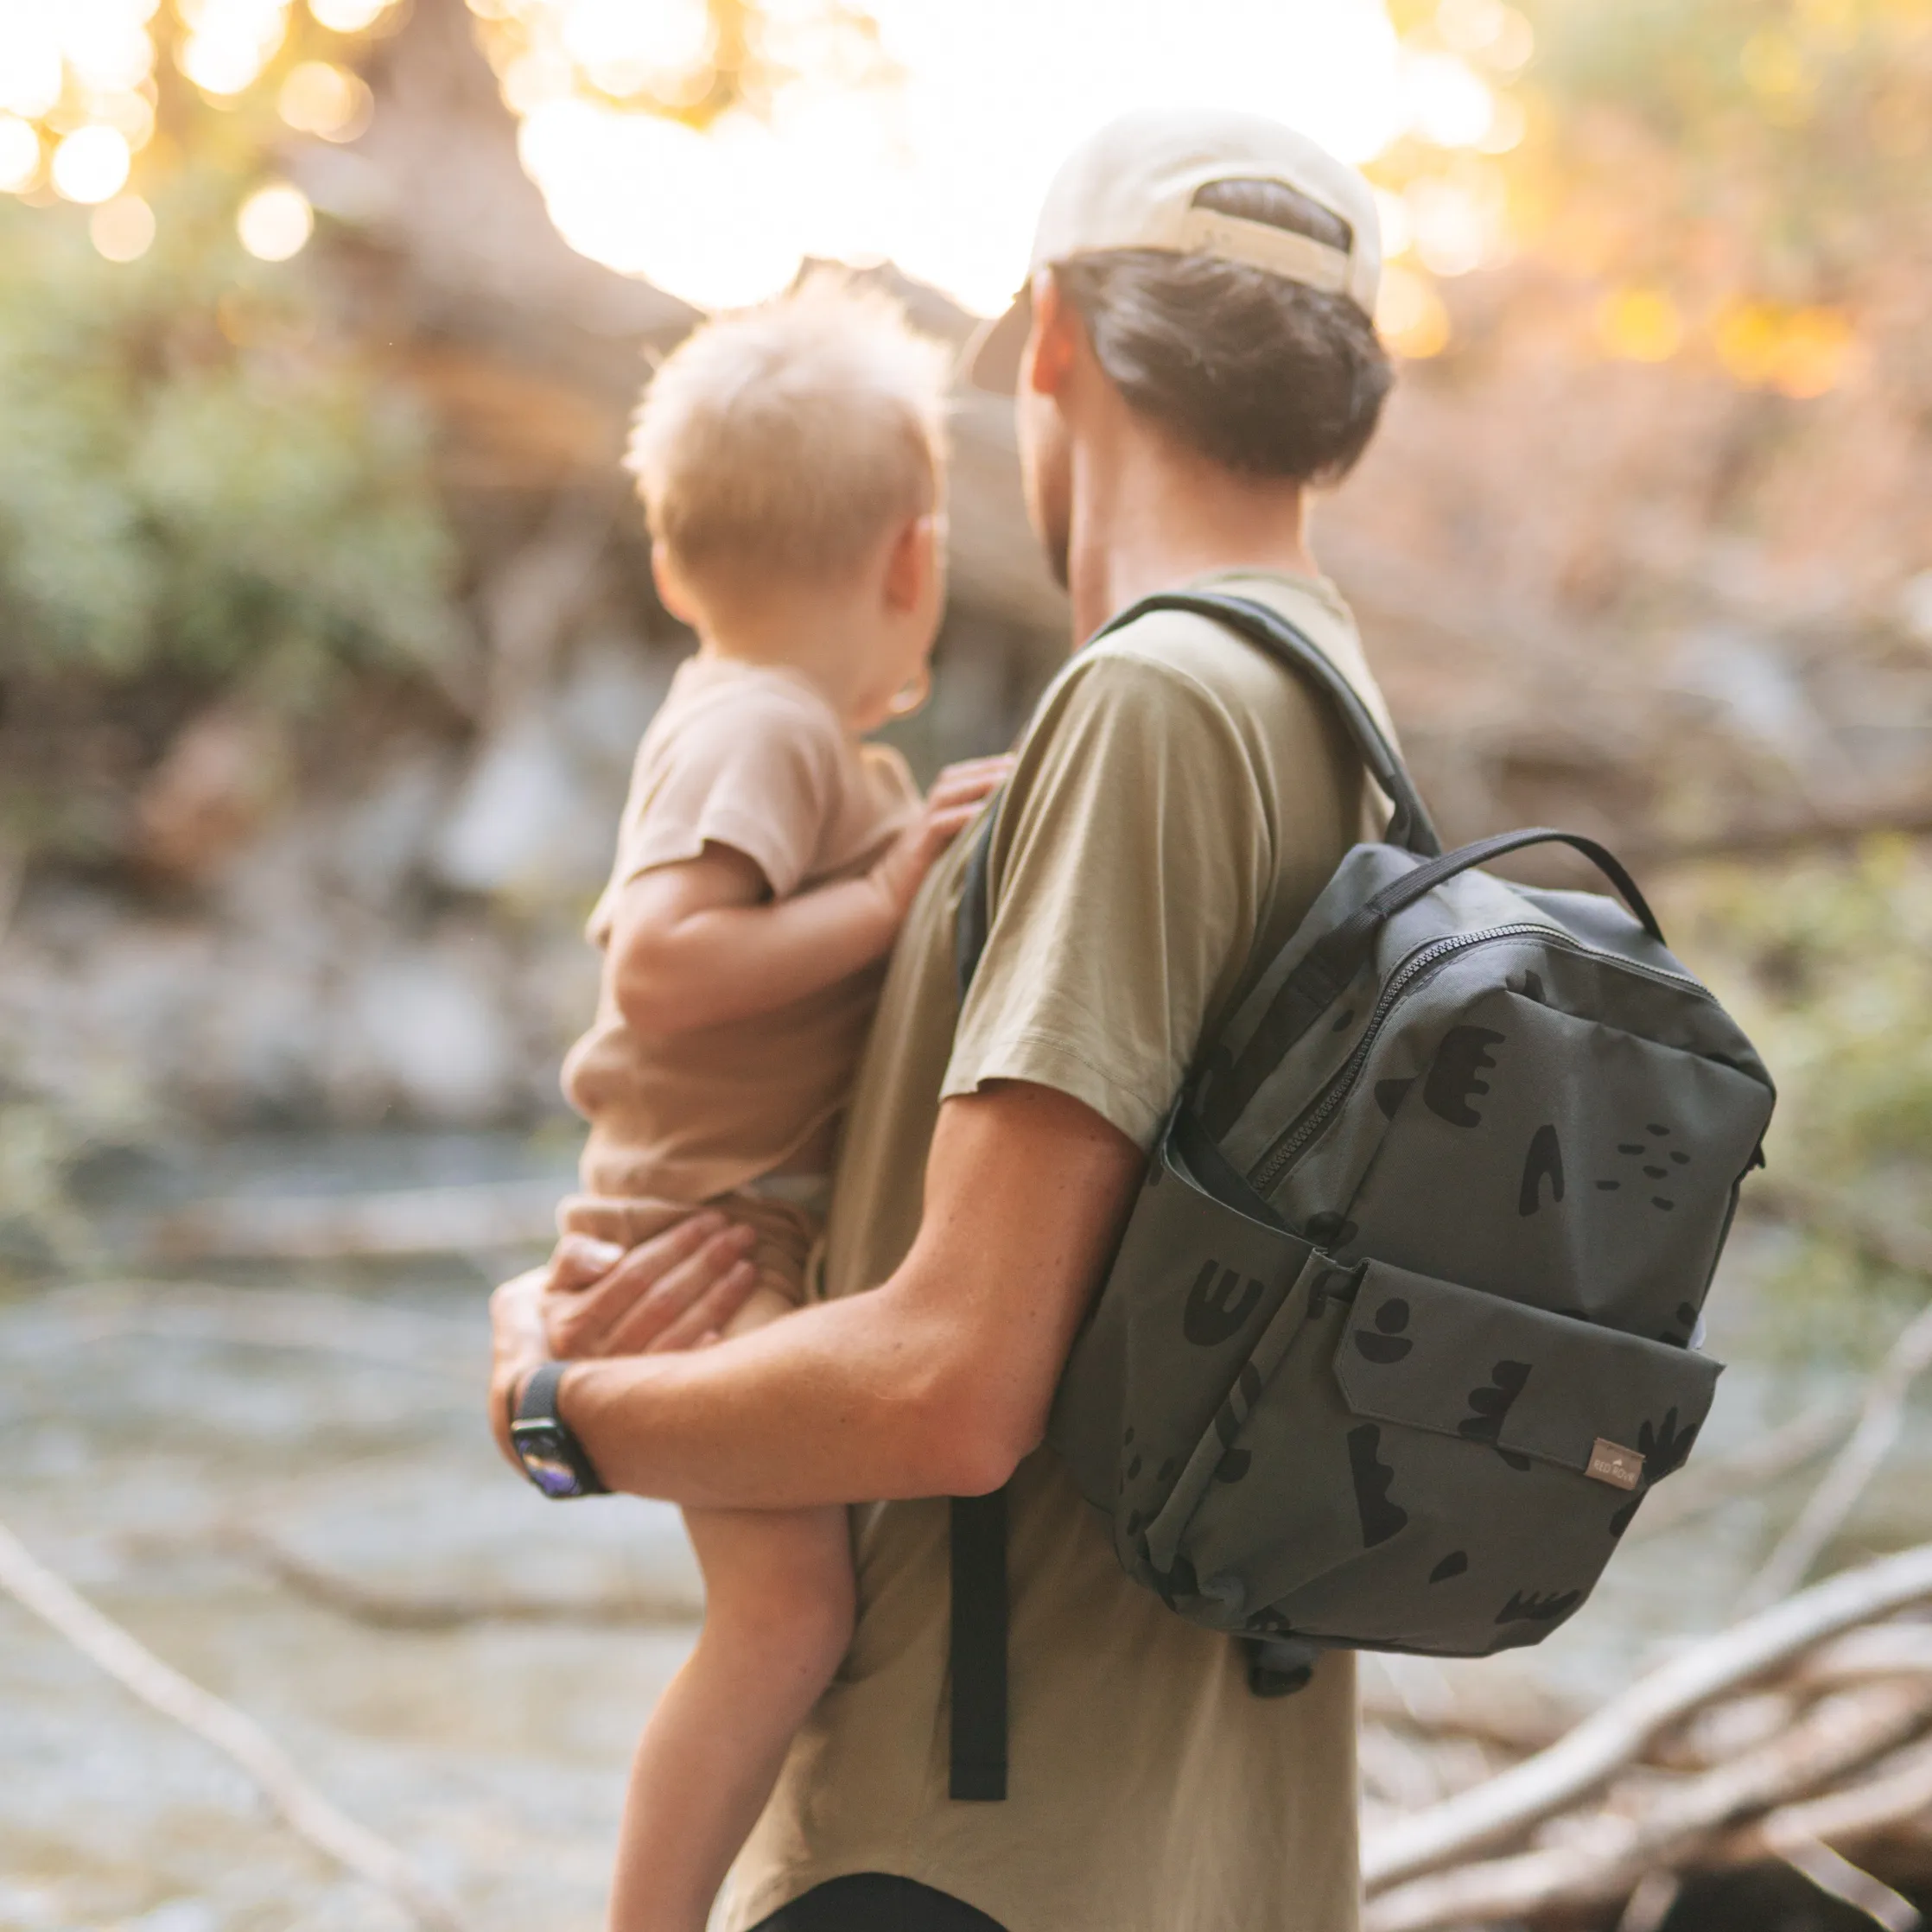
[[1130, 865], [759, 775]]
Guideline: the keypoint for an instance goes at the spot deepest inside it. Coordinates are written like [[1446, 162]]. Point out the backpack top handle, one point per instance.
[[1336, 959], [1410, 824]]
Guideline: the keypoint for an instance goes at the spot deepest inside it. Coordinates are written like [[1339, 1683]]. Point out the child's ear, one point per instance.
[[911, 562], [673, 592]]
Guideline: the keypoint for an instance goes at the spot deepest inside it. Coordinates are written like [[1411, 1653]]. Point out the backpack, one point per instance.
[[1401, 1330]]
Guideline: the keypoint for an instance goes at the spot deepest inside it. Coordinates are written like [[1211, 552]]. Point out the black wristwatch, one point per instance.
[[552, 1457]]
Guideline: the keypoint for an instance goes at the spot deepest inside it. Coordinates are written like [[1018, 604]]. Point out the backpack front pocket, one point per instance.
[[1193, 1289], [1433, 1467]]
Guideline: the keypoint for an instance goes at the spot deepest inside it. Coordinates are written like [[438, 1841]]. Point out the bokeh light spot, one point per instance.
[[1452, 227], [321, 98], [105, 45], [20, 154], [1818, 353], [348, 17], [624, 48], [130, 113], [230, 42], [1450, 104], [1410, 316], [1398, 231], [31, 75], [275, 222], [91, 164], [124, 229], [1640, 325], [1800, 352]]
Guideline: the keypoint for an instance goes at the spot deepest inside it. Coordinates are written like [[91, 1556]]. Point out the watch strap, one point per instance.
[[537, 1402]]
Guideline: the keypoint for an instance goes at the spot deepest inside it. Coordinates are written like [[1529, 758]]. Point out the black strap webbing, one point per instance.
[[978, 1655], [979, 1647]]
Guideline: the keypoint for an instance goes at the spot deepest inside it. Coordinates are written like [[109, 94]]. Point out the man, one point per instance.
[[1192, 354]]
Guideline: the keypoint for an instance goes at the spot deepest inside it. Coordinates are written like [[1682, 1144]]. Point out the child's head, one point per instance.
[[789, 457]]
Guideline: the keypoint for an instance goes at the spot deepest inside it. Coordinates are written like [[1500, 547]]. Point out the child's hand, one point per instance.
[[956, 796]]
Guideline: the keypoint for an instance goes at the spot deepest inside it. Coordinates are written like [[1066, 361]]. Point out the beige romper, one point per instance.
[[755, 758]]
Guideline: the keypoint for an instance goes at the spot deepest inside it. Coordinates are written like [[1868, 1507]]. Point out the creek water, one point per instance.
[[172, 1446]]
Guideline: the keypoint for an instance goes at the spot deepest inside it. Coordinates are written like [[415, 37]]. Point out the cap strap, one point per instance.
[[1262, 245]]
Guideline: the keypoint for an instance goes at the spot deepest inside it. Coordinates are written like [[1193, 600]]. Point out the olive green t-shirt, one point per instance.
[[1180, 800]]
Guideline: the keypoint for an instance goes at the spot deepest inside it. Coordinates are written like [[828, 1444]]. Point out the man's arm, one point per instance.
[[935, 1384]]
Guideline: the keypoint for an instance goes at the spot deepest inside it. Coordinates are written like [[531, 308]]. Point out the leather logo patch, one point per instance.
[[1609, 1462]]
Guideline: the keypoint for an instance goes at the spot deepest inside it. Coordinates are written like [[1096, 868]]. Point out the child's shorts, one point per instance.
[[786, 1211]]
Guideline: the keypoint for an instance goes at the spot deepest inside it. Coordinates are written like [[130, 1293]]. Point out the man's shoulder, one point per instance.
[[1166, 653]]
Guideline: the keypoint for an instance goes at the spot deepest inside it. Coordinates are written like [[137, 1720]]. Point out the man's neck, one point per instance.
[[1148, 515]]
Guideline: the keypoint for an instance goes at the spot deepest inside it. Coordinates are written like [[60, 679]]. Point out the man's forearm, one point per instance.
[[936, 1383], [840, 1401]]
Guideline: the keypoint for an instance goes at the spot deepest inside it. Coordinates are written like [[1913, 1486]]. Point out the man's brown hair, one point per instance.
[[1264, 375]]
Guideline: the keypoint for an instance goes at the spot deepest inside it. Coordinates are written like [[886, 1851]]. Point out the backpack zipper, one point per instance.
[[1289, 1144]]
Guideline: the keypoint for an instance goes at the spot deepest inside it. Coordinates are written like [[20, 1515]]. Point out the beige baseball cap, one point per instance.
[[1134, 185]]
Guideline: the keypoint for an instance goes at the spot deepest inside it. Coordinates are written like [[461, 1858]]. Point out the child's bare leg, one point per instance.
[[777, 1617]]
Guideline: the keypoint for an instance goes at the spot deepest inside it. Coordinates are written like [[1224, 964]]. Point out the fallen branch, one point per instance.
[[1838, 1735], [411, 1611], [1513, 1727], [1821, 1866], [313, 1817], [1901, 1793], [1881, 1417], [1877, 1650], [1619, 1733]]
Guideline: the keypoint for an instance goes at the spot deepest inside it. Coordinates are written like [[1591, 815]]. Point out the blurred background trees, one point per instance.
[[324, 622]]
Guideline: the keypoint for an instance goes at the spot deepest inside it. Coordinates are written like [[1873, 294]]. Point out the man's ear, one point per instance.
[[674, 593], [911, 560], [1053, 342]]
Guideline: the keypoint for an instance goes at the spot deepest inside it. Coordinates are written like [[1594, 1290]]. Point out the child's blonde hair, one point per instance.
[[786, 439]]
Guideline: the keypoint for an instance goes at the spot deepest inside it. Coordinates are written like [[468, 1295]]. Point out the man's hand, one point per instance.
[[670, 1292], [595, 1297], [517, 1346]]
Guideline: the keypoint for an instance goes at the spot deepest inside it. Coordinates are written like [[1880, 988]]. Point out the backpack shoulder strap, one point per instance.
[[977, 1660], [1410, 824]]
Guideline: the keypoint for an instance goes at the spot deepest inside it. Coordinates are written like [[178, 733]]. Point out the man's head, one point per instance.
[[794, 453], [1218, 271]]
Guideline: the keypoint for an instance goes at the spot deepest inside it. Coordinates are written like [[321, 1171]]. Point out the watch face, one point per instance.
[[541, 1449]]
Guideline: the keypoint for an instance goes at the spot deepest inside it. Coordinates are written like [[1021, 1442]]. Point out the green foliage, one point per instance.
[[189, 479], [1829, 965], [1780, 145]]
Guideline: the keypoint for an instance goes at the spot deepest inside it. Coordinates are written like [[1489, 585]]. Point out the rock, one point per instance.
[[218, 782], [535, 818], [526, 821], [427, 1032]]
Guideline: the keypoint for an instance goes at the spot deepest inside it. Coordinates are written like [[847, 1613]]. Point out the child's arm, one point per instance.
[[697, 944]]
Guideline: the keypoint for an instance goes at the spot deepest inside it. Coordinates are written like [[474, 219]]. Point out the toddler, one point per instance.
[[790, 463]]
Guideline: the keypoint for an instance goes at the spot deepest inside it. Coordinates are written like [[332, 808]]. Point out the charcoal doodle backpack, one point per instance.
[[1400, 1332]]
